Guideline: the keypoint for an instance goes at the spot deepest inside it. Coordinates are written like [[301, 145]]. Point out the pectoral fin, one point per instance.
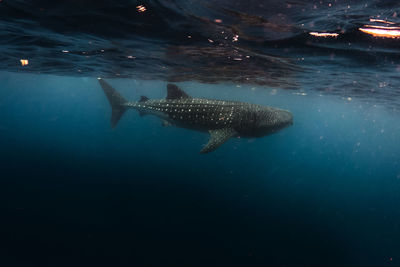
[[165, 123], [142, 113], [217, 138]]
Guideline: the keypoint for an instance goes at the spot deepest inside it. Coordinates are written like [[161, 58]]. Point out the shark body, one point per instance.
[[222, 119]]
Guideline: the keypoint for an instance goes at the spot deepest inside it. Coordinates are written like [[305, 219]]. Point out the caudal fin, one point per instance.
[[116, 101]]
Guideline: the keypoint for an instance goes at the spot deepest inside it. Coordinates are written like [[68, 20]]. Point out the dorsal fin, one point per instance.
[[174, 92], [143, 98]]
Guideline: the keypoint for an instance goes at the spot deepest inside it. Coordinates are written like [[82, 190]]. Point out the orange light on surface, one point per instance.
[[324, 34], [382, 27], [384, 32], [141, 8], [382, 21], [218, 20], [24, 62]]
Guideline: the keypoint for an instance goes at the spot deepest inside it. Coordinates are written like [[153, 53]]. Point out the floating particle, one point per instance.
[[24, 62], [301, 93], [218, 20], [383, 84]]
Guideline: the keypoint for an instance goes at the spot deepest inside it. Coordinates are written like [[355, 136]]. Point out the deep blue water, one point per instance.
[[324, 192], [75, 192]]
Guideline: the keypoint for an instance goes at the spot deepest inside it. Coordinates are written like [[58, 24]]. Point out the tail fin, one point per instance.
[[116, 101]]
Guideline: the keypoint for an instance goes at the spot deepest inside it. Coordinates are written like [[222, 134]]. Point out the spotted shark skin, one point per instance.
[[222, 119]]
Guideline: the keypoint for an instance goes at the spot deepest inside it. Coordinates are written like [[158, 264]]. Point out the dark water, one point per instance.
[[324, 192]]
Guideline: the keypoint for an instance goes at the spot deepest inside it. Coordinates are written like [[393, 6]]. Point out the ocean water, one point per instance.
[[322, 192]]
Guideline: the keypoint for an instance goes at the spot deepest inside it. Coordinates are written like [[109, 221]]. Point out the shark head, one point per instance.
[[260, 121], [271, 120]]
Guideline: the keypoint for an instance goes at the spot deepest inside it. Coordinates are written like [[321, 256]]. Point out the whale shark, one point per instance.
[[222, 119]]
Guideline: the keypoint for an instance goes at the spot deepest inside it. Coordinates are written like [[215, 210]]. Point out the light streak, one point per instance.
[[324, 34], [387, 32], [381, 20], [141, 8]]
